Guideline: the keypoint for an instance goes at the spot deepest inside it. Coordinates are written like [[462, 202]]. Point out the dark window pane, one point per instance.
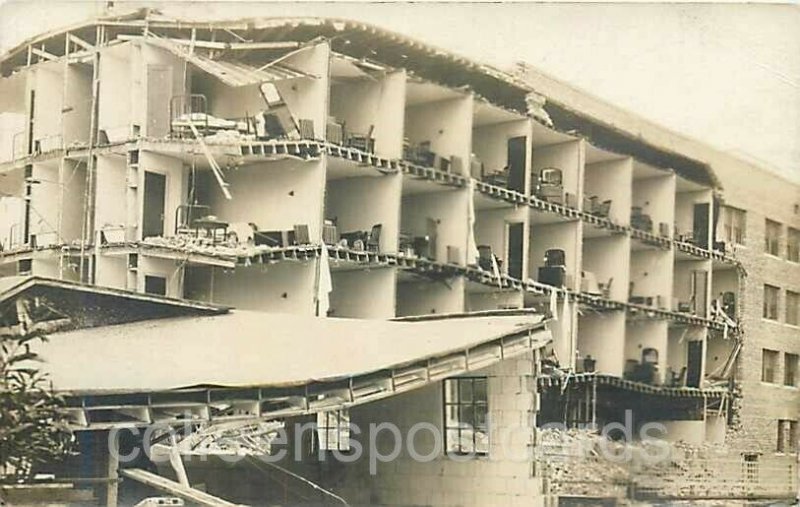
[[466, 390]]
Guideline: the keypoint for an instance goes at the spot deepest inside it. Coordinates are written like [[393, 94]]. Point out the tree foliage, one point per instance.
[[33, 424]]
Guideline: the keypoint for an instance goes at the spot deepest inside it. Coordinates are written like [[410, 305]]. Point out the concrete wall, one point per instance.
[[684, 210], [491, 228], [569, 157], [72, 197], [306, 98], [287, 287], [682, 282], [121, 90], [611, 180], [692, 432], [493, 300], [363, 294], [642, 334], [449, 209], [359, 203], [377, 102], [76, 117], [112, 271], [504, 477], [490, 145], [273, 195], [426, 297], [563, 235], [602, 336], [608, 258], [111, 192], [656, 197], [48, 83], [651, 274], [45, 213], [170, 269], [447, 124], [176, 189]]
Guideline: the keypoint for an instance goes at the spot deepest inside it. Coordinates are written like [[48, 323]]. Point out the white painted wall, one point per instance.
[[447, 124], [691, 432], [12, 215], [170, 269], [611, 180], [642, 334], [177, 68], [491, 228], [425, 297], [274, 195], [608, 257], [651, 274], [176, 191], [112, 271], [684, 210], [378, 102], [563, 235], [48, 82], [449, 208], [121, 84], [111, 200], [490, 145], [44, 203], [602, 336], [284, 287], [359, 203], [493, 300], [656, 197], [77, 104], [568, 156], [724, 280], [306, 98], [682, 284], [363, 294], [73, 192]]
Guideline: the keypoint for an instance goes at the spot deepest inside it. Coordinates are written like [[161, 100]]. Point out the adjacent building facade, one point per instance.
[[329, 168]]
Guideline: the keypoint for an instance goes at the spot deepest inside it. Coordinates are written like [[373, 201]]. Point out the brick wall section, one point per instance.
[[763, 196], [499, 479]]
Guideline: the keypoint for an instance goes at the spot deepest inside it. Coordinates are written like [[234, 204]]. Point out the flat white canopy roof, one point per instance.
[[244, 348]]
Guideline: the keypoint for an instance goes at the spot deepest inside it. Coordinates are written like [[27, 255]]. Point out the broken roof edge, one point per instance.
[[565, 99], [567, 119], [15, 285]]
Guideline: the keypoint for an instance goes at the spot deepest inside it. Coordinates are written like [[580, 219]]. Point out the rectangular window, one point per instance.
[[333, 430], [787, 436], [792, 308], [733, 225], [769, 365], [793, 244], [772, 238], [466, 408], [155, 285], [790, 369], [771, 302]]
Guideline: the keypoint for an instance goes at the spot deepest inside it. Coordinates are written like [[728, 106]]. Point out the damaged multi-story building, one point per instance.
[[331, 169]]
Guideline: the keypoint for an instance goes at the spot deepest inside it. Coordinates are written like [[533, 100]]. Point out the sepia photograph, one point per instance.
[[417, 254]]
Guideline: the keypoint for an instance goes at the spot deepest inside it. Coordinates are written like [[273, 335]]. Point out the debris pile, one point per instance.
[[581, 462]]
